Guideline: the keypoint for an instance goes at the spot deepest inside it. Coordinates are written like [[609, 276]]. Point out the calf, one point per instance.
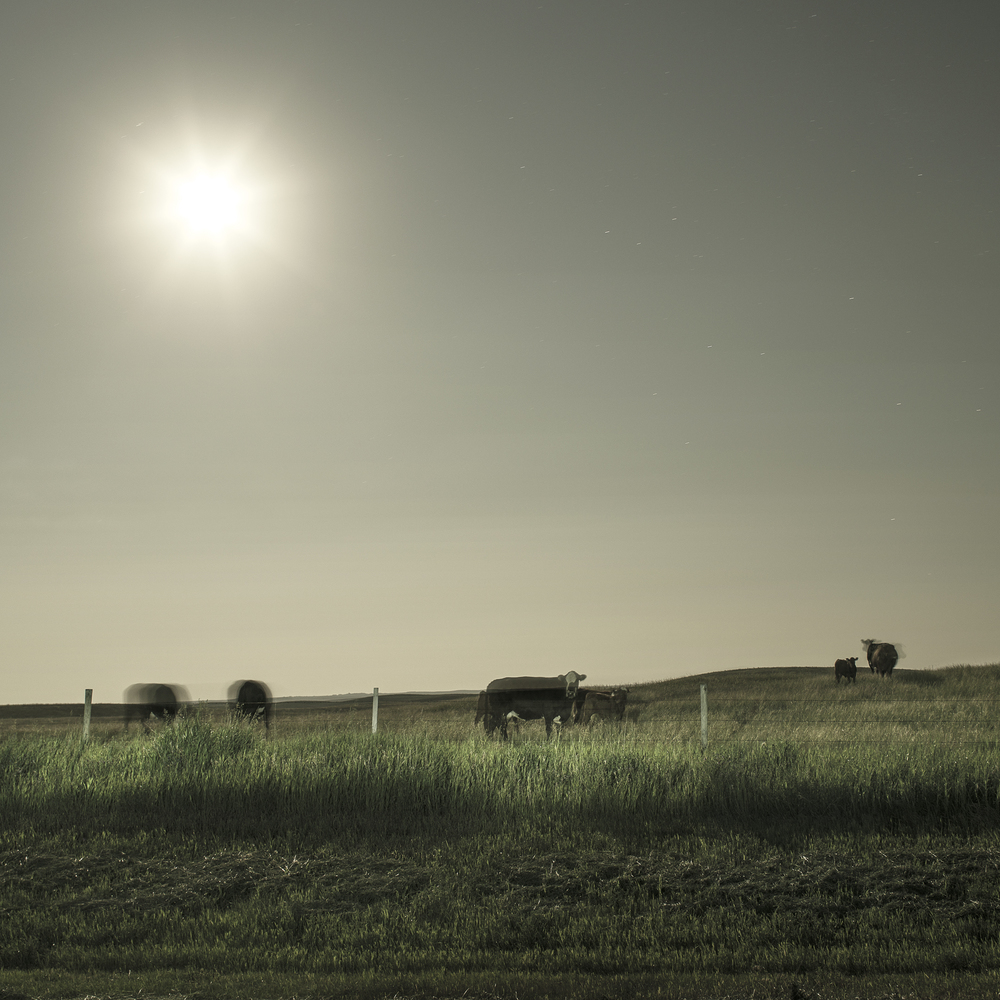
[[606, 704], [848, 669]]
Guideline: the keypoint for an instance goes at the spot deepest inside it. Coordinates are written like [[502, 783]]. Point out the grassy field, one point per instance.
[[831, 841]]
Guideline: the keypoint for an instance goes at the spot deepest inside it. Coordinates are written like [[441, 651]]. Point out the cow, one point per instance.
[[606, 704], [251, 700], [568, 682], [552, 706], [882, 656], [154, 701], [548, 698], [848, 669]]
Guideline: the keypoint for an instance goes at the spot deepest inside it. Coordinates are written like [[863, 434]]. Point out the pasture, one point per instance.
[[831, 841]]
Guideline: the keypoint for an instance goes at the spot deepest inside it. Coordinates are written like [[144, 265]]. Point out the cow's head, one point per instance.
[[870, 645], [572, 679]]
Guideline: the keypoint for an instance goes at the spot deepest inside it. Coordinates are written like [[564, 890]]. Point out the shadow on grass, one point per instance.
[[779, 807]]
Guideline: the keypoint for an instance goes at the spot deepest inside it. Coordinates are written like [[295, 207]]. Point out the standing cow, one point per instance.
[[848, 669], [548, 698], [251, 700], [882, 656]]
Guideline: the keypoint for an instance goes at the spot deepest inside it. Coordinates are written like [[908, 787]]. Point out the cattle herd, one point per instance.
[[558, 700], [882, 657], [249, 700]]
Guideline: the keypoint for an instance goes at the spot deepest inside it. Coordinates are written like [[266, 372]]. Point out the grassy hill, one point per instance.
[[802, 704], [831, 841]]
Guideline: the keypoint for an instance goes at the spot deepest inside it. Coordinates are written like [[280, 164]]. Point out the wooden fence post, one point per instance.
[[704, 715], [88, 695], [375, 710]]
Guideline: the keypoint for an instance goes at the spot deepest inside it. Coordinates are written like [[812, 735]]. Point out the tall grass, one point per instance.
[[222, 782], [804, 705]]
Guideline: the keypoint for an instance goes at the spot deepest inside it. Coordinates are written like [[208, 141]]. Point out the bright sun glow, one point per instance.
[[207, 209], [209, 204]]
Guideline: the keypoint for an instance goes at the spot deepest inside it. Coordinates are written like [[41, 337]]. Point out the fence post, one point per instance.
[[704, 715], [375, 710], [88, 695]]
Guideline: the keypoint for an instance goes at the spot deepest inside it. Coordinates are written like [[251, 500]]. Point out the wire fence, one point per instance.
[[841, 717], [839, 720]]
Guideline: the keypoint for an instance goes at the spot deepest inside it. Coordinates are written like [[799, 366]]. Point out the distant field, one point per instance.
[[108, 719], [831, 841], [802, 704]]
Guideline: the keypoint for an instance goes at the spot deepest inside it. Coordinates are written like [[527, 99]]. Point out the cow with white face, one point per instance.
[[548, 698]]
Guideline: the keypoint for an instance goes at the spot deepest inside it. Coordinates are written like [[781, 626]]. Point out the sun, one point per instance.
[[212, 209], [209, 204]]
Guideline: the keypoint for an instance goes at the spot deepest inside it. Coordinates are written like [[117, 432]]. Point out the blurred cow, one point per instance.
[[251, 700], [882, 656], [154, 701]]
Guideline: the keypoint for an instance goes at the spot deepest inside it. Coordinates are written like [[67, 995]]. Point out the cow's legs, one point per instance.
[[506, 719]]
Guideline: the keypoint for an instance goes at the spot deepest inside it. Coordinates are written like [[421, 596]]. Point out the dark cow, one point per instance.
[[550, 705], [848, 669], [490, 719], [548, 698], [154, 701], [882, 656], [251, 700], [606, 704]]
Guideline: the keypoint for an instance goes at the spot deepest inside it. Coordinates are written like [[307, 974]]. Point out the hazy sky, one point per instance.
[[642, 339]]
